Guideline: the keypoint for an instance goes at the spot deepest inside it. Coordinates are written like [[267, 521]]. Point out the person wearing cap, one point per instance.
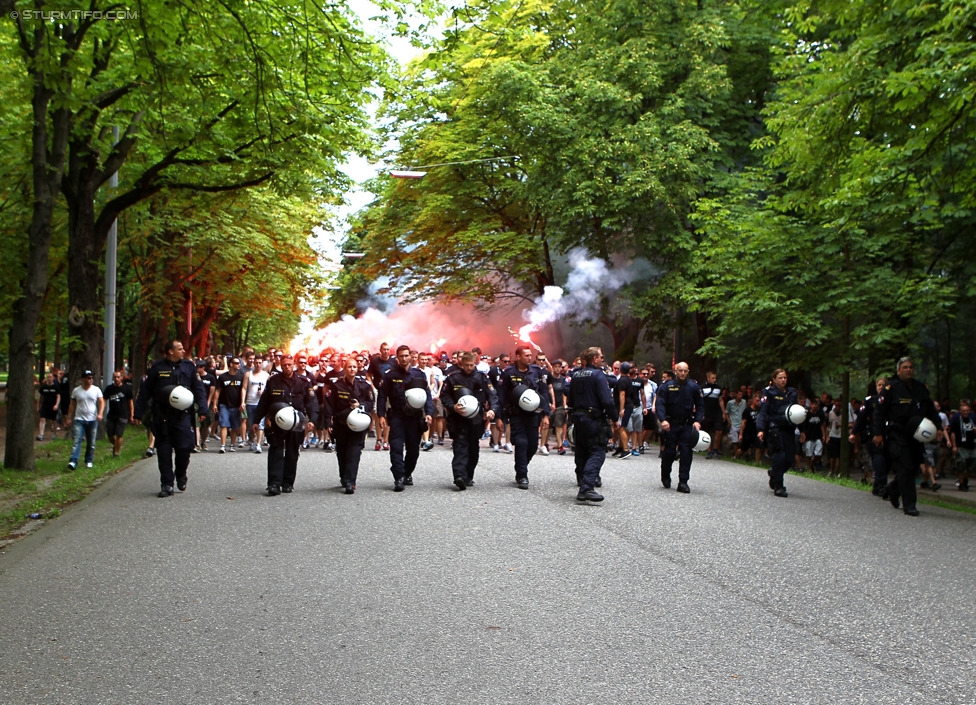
[[172, 427], [466, 431], [287, 388], [342, 396], [229, 404], [84, 412], [406, 423], [514, 381]]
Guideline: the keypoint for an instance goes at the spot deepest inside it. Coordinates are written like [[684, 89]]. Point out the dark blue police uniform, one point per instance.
[[406, 423], [902, 405], [681, 405], [593, 410], [778, 432], [285, 446], [172, 428], [466, 432], [863, 428], [524, 424], [339, 402]]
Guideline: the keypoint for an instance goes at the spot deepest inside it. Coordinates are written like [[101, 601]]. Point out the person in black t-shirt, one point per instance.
[[120, 407], [48, 404], [748, 438]]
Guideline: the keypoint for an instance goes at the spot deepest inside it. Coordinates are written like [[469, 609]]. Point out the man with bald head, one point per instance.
[[680, 409]]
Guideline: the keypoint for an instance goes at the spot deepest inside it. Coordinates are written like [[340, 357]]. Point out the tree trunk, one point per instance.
[[47, 169], [84, 258]]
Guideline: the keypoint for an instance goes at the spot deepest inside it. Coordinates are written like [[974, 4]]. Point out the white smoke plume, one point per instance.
[[589, 280]]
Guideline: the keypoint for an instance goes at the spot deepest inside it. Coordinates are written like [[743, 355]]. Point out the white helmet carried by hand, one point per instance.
[[704, 441], [358, 420], [180, 398], [796, 414], [289, 419], [416, 398], [529, 400], [926, 431], [469, 406]]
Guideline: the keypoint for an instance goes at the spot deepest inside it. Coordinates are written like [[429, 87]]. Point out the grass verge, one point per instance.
[[946, 501], [52, 486]]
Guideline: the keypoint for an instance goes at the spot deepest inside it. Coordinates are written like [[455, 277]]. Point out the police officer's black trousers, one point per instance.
[[465, 439], [525, 438], [590, 451], [683, 438], [905, 454], [283, 457], [348, 450], [405, 436], [879, 465], [781, 447], [174, 436]]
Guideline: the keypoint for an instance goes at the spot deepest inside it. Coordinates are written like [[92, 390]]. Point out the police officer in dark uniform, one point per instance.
[[776, 429], [406, 423], [466, 431], [864, 429], [286, 388], [345, 394], [904, 403], [524, 374], [680, 409], [594, 418], [172, 427]]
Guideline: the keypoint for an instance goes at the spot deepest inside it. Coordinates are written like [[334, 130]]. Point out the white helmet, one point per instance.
[[469, 405], [416, 398], [571, 435], [926, 431], [358, 420], [289, 418], [530, 400], [704, 441], [180, 398], [796, 414]]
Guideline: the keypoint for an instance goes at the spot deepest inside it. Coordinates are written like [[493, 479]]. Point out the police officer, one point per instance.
[[864, 428], [466, 431], [680, 409], [286, 388], [406, 423], [524, 374], [342, 396], [904, 402], [172, 427], [594, 418], [776, 429]]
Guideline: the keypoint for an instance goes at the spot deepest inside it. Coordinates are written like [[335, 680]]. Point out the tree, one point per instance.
[[208, 98]]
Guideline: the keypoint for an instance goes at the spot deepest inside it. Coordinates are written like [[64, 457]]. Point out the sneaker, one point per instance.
[[72, 465], [203, 446], [543, 450], [426, 445], [257, 449], [304, 447], [635, 452], [165, 491], [440, 441], [378, 446], [196, 449], [508, 448], [251, 446], [561, 451], [89, 465], [240, 444], [40, 438], [386, 446], [222, 450], [150, 452], [495, 447], [329, 447], [231, 448]]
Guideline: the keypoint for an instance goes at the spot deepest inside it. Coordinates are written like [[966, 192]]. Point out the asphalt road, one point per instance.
[[492, 595]]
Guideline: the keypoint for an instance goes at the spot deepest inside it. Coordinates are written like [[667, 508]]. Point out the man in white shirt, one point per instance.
[[85, 411]]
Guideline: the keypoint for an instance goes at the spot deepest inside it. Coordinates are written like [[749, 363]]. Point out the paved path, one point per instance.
[[493, 595]]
